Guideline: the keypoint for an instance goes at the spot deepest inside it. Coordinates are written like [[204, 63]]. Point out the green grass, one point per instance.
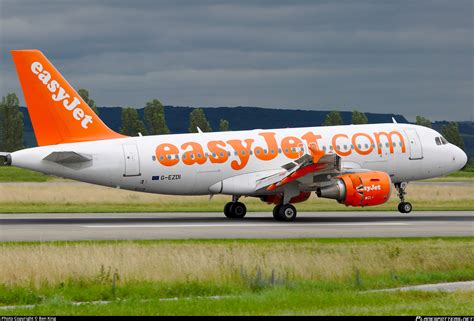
[[257, 292], [296, 300], [459, 176], [183, 207], [15, 174]]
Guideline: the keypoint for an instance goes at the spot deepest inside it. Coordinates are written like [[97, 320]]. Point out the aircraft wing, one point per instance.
[[316, 161], [67, 157]]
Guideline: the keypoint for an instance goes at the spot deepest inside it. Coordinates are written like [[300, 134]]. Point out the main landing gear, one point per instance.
[[284, 212], [235, 209], [281, 212], [403, 207]]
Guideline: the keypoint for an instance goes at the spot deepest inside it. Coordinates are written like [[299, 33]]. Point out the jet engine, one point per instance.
[[361, 189]]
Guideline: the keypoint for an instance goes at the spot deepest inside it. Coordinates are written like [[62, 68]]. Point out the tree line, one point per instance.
[[154, 121]]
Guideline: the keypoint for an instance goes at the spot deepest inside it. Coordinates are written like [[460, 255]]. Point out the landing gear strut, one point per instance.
[[285, 211], [403, 207], [235, 209]]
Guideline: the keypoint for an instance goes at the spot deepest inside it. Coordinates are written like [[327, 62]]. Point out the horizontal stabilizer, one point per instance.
[[67, 157]]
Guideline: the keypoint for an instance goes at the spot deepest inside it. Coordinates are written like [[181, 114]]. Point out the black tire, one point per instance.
[[276, 209], [287, 213], [238, 210], [407, 207], [400, 208], [227, 211]]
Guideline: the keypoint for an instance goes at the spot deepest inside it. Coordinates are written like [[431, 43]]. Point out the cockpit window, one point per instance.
[[441, 140]]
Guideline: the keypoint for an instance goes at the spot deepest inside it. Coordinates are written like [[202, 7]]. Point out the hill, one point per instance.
[[243, 118], [240, 118]]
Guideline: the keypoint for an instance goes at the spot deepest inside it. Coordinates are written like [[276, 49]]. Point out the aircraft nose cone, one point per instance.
[[460, 157]]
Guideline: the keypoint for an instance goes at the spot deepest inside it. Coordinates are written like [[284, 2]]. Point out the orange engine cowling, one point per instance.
[[277, 198], [361, 189]]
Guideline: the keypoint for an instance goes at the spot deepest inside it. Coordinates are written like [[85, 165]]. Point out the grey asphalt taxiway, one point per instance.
[[140, 226]]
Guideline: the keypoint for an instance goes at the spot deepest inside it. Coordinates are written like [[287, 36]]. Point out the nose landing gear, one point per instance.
[[403, 207]]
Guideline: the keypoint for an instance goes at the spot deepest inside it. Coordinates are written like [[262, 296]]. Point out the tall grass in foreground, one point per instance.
[[251, 276], [231, 262]]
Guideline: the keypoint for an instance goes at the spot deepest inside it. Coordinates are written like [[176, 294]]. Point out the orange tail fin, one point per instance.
[[57, 112]]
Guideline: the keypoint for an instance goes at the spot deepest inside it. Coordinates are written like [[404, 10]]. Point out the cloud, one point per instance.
[[405, 57]]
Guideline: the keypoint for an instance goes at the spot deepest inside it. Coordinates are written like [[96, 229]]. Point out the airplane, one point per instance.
[[356, 165]]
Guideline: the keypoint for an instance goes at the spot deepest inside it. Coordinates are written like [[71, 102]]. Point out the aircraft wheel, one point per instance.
[[276, 209], [227, 212], [235, 210], [286, 213], [405, 207]]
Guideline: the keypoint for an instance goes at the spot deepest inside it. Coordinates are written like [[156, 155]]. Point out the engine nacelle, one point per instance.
[[361, 189]]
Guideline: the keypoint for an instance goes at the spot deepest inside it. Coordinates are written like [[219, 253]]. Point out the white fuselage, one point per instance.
[[189, 164]]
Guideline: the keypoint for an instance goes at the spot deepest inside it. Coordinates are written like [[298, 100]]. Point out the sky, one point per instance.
[[402, 56]]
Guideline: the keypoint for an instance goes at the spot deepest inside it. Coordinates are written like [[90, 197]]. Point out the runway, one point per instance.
[[140, 226]]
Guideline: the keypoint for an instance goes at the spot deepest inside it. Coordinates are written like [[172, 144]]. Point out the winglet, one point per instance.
[[316, 153]]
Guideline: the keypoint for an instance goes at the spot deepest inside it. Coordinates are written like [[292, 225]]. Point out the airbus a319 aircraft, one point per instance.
[[355, 165]]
